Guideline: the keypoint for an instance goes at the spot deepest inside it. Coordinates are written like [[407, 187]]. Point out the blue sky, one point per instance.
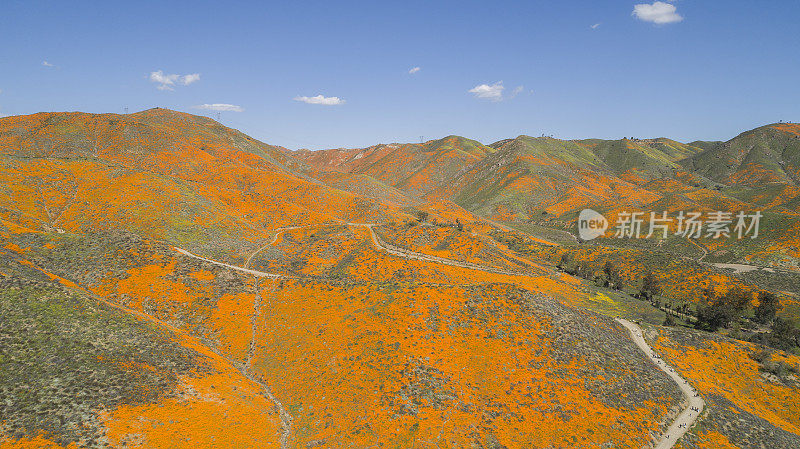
[[687, 69]]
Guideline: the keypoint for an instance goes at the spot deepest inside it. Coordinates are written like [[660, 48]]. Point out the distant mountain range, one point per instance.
[[530, 175]]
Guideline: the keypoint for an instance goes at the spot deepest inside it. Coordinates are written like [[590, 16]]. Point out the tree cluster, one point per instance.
[[718, 311], [610, 276]]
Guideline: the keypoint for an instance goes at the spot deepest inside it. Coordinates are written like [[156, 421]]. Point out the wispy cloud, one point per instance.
[[47, 64], [169, 81], [493, 92], [189, 79], [221, 107], [320, 99], [414, 70], [595, 26], [658, 12], [517, 90]]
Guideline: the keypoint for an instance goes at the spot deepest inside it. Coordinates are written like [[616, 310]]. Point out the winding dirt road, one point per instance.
[[271, 243], [689, 415], [703, 249], [412, 255], [379, 244]]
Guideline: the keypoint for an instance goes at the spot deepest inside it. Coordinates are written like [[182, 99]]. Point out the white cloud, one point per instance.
[[168, 81], [595, 26], [492, 92], [414, 70], [659, 13], [221, 107], [47, 64], [319, 99]]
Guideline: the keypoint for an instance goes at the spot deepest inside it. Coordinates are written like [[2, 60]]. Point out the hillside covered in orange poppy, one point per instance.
[[166, 281]]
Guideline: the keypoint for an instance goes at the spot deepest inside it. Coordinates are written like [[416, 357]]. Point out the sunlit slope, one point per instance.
[[147, 139], [515, 178], [769, 154], [366, 186], [482, 366], [161, 173], [416, 169], [641, 159], [528, 177], [750, 391], [536, 179]]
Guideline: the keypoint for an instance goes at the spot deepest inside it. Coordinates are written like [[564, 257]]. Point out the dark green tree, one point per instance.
[[613, 277], [650, 286], [739, 298], [566, 261], [768, 307], [583, 270], [783, 335]]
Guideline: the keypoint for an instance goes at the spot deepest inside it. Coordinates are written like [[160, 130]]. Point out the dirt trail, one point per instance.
[[688, 416], [233, 267], [246, 367], [408, 254], [703, 249]]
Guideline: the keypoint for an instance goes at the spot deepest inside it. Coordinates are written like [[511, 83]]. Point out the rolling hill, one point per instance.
[[165, 174], [168, 281], [768, 154]]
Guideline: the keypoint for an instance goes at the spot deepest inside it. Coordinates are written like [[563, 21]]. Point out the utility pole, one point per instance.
[[126, 109], [218, 116], [421, 139]]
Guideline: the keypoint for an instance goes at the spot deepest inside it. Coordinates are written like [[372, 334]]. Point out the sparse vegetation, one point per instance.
[[65, 358]]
